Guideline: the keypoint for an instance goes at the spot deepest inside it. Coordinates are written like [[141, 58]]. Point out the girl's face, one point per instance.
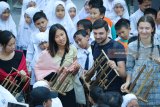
[[41, 24], [145, 30], [5, 15], [10, 47], [27, 19], [95, 14], [158, 17], [31, 4], [60, 11], [60, 38], [119, 10], [72, 12]]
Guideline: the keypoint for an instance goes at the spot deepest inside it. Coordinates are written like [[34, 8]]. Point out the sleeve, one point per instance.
[[113, 32], [74, 51], [130, 64], [133, 25]]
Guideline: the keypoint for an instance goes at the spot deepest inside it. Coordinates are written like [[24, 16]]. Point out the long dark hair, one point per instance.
[[5, 37], [150, 20], [53, 47]]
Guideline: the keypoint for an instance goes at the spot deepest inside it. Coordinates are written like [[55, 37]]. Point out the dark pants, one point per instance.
[[69, 99]]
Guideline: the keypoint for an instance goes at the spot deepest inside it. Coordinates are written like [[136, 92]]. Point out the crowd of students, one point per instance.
[[52, 36]]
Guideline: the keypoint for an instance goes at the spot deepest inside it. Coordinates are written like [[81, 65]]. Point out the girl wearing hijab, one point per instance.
[[120, 10], [26, 29], [72, 10], [59, 14], [6, 20]]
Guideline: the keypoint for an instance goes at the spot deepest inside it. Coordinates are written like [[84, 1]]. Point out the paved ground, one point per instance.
[[17, 11]]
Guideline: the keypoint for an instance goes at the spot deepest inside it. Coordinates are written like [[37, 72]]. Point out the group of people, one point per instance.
[[54, 39]]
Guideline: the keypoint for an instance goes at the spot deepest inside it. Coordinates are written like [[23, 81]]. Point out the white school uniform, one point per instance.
[[34, 50], [66, 22], [8, 24], [25, 30], [76, 18], [125, 13], [81, 57], [134, 20]]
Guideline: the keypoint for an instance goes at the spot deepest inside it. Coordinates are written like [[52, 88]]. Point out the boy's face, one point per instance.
[[146, 4], [60, 11], [5, 15], [41, 24], [95, 14], [72, 12], [27, 19], [82, 41], [123, 33]]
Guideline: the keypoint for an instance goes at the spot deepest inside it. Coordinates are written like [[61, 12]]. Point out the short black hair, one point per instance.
[[39, 15], [5, 37], [150, 11], [122, 23], [93, 3], [102, 9], [100, 23], [141, 1], [80, 32], [87, 24]]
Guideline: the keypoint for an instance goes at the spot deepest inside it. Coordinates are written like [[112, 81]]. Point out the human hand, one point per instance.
[[124, 87]]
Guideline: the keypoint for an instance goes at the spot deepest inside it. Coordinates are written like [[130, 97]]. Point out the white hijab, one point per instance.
[[83, 14], [125, 13], [108, 4], [9, 24], [66, 22], [76, 18], [26, 30], [41, 4]]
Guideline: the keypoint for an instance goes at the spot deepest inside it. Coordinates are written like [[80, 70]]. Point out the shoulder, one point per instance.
[[73, 49], [117, 45], [133, 45], [18, 53]]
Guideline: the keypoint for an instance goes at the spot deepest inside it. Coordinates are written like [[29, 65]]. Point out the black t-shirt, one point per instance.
[[14, 62], [116, 52]]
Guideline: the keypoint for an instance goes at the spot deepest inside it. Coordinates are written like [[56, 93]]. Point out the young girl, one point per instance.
[[58, 14], [147, 51], [59, 54], [26, 29], [6, 21], [120, 10], [84, 12], [72, 10], [38, 42]]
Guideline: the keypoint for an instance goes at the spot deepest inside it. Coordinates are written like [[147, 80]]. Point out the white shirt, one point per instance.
[[82, 56], [56, 102], [134, 20]]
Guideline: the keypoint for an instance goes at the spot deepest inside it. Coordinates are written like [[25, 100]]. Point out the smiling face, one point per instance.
[[10, 47], [41, 24], [123, 33], [60, 11], [60, 38], [100, 35], [145, 30]]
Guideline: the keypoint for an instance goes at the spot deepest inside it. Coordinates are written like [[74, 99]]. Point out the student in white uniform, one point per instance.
[[6, 20], [143, 4], [26, 29], [38, 42], [41, 4], [72, 10], [84, 12], [59, 14], [26, 4], [120, 10], [158, 21]]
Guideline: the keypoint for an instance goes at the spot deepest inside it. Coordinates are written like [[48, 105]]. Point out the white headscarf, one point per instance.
[[66, 22], [71, 5], [125, 14], [127, 98], [83, 14], [9, 24], [41, 4], [25, 30], [24, 7]]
